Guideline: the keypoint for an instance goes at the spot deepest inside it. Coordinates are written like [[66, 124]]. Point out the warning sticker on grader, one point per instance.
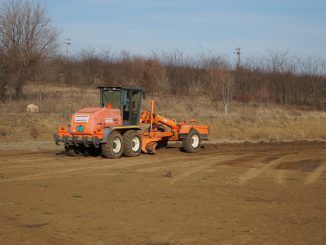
[[109, 120], [81, 118]]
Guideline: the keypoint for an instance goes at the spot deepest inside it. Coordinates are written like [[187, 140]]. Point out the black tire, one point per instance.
[[111, 148], [132, 143], [192, 142]]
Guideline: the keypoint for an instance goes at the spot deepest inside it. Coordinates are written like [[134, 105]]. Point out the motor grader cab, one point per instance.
[[113, 128], [127, 100]]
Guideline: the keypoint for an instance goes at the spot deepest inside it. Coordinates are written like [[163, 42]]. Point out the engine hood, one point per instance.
[[88, 121]]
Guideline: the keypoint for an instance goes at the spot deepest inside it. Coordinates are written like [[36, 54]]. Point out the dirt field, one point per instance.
[[226, 194]]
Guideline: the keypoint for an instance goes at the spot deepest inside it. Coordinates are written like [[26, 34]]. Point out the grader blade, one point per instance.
[[151, 147]]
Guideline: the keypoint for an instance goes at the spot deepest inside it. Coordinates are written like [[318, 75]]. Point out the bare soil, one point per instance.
[[226, 194]]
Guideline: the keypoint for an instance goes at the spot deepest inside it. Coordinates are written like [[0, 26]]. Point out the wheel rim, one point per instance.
[[117, 145], [195, 141], [135, 144]]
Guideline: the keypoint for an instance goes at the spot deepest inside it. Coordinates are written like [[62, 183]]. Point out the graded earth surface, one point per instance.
[[225, 194]]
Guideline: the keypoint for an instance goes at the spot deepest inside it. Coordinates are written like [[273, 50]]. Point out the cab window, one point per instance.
[[111, 97]]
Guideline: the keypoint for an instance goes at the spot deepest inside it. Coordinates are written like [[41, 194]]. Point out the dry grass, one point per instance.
[[248, 122], [245, 122], [63, 99]]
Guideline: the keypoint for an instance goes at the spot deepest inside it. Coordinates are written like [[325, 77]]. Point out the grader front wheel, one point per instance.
[[192, 142]]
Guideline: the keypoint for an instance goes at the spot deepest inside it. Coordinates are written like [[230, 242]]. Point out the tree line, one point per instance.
[[28, 52]]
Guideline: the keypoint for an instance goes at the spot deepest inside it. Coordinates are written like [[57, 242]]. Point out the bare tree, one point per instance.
[[90, 65], [220, 81], [281, 61], [26, 39], [3, 85], [226, 89]]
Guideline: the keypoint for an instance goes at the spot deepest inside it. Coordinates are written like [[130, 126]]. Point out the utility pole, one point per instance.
[[67, 69], [238, 53], [67, 43]]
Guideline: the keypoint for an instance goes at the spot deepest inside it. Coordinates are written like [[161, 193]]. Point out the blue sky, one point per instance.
[[192, 26]]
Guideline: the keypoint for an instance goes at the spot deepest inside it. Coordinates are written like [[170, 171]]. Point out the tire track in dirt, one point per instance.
[[192, 163], [255, 172], [209, 162], [309, 170], [127, 163], [84, 164], [186, 162], [50, 165], [164, 164], [314, 176]]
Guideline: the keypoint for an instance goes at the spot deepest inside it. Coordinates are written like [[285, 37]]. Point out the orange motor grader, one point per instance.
[[114, 128]]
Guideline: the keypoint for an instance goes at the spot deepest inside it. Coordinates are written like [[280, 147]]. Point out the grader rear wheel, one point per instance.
[[113, 148], [132, 143]]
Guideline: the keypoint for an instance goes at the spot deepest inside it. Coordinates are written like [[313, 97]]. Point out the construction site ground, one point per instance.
[[226, 194]]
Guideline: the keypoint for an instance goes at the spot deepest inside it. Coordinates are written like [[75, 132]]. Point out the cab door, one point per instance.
[[131, 107]]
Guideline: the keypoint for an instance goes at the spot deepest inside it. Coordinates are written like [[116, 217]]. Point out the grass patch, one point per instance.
[[245, 122]]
